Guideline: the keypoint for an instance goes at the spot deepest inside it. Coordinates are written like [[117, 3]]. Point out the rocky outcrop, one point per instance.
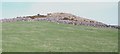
[[65, 18]]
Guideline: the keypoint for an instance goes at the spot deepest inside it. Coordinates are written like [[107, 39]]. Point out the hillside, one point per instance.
[[0, 37], [44, 36]]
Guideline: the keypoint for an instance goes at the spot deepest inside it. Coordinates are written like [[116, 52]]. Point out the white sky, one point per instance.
[[60, 0]]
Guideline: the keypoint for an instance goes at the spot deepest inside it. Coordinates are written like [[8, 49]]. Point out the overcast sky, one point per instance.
[[60, 0], [106, 12]]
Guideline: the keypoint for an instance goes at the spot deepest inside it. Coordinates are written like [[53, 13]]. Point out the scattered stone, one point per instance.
[[65, 18]]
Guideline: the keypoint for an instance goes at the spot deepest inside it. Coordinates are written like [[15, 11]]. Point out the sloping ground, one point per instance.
[[52, 37], [0, 37]]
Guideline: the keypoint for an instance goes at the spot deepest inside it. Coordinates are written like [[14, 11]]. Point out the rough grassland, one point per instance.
[[52, 37], [0, 37]]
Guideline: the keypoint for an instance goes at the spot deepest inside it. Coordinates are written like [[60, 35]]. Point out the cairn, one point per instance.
[[65, 18]]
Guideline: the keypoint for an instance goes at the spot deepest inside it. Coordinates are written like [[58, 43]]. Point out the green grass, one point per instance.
[[0, 37], [52, 37]]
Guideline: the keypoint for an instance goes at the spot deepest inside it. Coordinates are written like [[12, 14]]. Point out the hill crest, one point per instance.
[[61, 17]]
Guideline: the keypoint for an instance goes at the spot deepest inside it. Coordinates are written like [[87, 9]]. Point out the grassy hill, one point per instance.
[[52, 37], [0, 37]]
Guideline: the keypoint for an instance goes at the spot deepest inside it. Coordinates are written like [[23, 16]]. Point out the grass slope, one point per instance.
[[0, 37], [52, 37]]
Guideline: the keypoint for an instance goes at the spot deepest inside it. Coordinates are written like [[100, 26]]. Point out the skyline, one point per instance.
[[106, 12]]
